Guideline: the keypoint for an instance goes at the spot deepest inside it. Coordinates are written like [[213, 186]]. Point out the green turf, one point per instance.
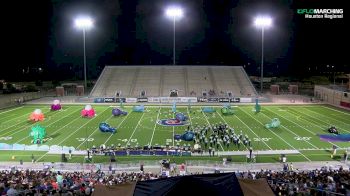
[[299, 126]]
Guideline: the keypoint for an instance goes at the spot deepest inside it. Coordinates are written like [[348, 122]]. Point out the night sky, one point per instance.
[[41, 34]]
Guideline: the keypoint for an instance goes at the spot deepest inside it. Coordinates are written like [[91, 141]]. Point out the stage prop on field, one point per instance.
[[37, 133], [335, 138], [106, 128], [173, 108], [37, 115], [179, 120], [187, 136], [56, 105], [139, 108], [208, 110], [227, 110], [275, 122], [118, 112], [257, 107], [88, 112]]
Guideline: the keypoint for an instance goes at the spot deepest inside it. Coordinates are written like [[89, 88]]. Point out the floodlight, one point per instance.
[[263, 22], [83, 23]]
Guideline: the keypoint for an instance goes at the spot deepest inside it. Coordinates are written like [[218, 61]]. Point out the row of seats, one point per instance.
[[159, 80]]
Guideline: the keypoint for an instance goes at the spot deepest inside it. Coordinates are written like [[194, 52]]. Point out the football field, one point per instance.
[[299, 127]]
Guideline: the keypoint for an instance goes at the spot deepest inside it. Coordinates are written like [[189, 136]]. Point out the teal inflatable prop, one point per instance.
[[38, 133], [273, 124], [227, 110]]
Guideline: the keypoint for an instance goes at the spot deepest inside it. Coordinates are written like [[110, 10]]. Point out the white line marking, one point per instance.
[[253, 132], [291, 130], [45, 125], [11, 110], [138, 123], [275, 133], [329, 117], [20, 129], [211, 128], [125, 117], [240, 141], [69, 134], [155, 125]]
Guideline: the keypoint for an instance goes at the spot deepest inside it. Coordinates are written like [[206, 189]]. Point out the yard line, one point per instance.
[[138, 123], [47, 125], [211, 128], [189, 117], [322, 121], [329, 117], [173, 136], [291, 130], [335, 110], [227, 124], [117, 127], [11, 110], [26, 114], [14, 124], [253, 132], [154, 128], [173, 133], [69, 134], [93, 133], [276, 134], [316, 126], [21, 129]]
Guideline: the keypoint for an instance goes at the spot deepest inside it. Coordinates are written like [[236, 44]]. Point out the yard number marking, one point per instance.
[[6, 138], [263, 139], [82, 139], [302, 138]]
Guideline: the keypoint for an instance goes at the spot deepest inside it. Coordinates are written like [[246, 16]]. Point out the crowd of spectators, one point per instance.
[[30, 182], [324, 181]]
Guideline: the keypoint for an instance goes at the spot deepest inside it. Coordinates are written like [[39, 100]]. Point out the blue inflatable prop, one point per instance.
[[187, 136], [208, 109], [177, 137], [118, 112], [140, 108], [181, 117], [105, 128]]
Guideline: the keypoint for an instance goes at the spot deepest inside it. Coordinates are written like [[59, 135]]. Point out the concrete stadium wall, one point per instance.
[[332, 96], [9, 100]]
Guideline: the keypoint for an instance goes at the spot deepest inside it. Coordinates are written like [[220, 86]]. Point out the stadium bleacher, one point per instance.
[[160, 80]]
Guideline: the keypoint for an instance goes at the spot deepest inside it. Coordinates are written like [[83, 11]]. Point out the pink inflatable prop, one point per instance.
[[88, 112], [56, 105], [36, 116]]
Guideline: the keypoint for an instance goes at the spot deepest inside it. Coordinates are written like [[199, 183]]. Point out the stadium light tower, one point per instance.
[[263, 23], [84, 24], [174, 13]]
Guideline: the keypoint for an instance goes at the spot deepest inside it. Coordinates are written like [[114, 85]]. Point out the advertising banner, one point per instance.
[[153, 99], [131, 100], [202, 99], [246, 100], [212, 100], [235, 100], [143, 99], [118, 100], [224, 99], [98, 100], [109, 99]]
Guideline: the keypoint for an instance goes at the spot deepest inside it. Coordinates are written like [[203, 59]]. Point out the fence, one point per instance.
[[9, 100]]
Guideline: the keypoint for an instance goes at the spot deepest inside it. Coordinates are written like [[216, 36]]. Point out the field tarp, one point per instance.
[[258, 187], [206, 184]]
